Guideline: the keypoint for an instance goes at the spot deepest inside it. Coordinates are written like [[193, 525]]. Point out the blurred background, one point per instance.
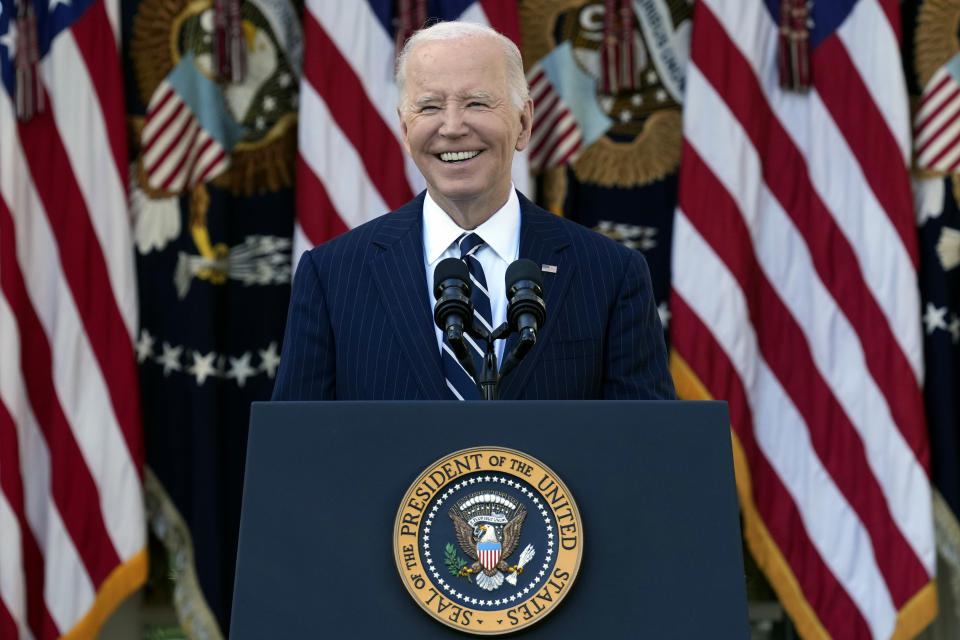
[[788, 168]]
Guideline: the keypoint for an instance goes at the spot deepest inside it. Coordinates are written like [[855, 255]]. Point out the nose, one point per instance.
[[453, 124]]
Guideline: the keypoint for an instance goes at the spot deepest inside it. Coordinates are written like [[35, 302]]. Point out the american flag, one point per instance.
[[72, 541], [795, 298], [352, 166]]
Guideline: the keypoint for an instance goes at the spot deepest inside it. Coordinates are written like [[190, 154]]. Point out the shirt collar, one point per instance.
[[501, 232]]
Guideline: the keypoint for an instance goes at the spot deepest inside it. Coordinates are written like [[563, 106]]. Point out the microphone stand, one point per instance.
[[488, 378]]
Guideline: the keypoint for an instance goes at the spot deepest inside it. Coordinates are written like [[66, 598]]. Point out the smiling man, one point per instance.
[[360, 324]]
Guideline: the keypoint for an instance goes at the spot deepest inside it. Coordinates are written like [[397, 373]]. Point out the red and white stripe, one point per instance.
[[178, 153], [795, 299], [556, 136], [352, 166], [937, 133], [71, 454], [489, 557]]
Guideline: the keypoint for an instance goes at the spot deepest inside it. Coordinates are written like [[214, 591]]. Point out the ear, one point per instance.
[[526, 125], [403, 132]]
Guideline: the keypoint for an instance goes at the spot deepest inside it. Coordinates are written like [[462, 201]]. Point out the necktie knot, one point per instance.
[[469, 244]]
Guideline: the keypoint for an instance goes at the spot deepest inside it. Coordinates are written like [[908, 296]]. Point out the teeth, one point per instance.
[[453, 156]]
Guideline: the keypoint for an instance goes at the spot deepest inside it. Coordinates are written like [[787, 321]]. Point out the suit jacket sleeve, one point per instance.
[[636, 363], [308, 361]]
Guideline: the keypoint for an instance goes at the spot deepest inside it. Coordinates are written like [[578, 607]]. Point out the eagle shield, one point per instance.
[[489, 553]]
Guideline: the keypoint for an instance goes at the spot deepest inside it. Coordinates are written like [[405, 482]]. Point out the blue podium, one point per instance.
[[653, 481]]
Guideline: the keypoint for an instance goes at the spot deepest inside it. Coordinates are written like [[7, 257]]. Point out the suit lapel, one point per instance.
[[399, 273], [543, 240]]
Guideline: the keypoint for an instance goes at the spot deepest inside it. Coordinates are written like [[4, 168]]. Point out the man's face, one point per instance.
[[460, 126]]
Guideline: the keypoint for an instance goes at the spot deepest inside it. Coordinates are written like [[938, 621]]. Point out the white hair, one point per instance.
[[516, 80]]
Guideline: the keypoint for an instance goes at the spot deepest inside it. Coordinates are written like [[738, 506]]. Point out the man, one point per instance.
[[361, 323]]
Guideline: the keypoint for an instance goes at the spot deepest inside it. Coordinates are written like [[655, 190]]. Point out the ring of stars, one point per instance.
[[447, 587]]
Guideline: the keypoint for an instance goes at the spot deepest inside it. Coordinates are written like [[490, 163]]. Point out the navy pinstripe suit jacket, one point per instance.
[[360, 325]]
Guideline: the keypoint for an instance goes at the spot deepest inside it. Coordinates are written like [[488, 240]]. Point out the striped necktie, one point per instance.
[[458, 380]]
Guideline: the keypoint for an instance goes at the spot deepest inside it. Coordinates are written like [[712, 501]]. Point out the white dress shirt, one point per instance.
[[501, 233]]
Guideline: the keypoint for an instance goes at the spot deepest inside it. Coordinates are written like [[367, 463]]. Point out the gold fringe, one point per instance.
[[919, 611], [648, 157], [121, 582]]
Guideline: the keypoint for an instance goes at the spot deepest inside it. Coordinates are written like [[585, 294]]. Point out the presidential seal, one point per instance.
[[488, 540]]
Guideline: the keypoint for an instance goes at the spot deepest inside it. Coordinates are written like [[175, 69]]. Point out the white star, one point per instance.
[[954, 328], [436, 575], [260, 123], [526, 590], [425, 538], [509, 483], [240, 369], [203, 366], [625, 116], [427, 529], [54, 3], [9, 39], [472, 480], [496, 602], [144, 345], [636, 99], [664, 312], [661, 95], [284, 80], [427, 553], [269, 103], [536, 501], [651, 76], [549, 528], [486, 478], [934, 318], [512, 598], [170, 359], [474, 601]]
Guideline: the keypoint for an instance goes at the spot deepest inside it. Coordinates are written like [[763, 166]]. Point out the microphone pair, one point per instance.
[[453, 312]]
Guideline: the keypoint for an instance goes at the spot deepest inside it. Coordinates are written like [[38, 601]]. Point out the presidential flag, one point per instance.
[[352, 165], [72, 534], [607, 83], [795, 299], [211, 194]]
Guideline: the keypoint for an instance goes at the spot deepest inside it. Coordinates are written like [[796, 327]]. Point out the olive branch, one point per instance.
[[454, 561]]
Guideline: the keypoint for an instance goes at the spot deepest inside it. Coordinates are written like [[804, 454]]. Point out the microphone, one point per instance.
[[525, 308], [454, 312]]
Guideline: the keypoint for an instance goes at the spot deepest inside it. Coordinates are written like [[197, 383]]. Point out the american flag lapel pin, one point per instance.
[[548, 268]]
